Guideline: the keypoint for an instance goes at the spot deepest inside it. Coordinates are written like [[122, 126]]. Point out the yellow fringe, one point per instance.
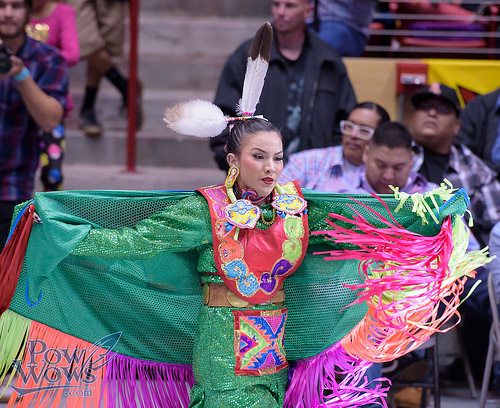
[[13, 336]]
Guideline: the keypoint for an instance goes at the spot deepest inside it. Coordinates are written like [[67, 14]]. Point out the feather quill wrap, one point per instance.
[[258, 61]]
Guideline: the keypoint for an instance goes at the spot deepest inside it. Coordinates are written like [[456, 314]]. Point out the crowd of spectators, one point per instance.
[[334, 144]]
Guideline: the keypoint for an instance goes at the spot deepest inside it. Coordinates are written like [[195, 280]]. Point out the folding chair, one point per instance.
[[431, 383], [494, 343]]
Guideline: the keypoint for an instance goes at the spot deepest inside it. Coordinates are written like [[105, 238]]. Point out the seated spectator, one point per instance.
[[388, 162], [480, 128], [338, 168], [434, 124], [344, 24]]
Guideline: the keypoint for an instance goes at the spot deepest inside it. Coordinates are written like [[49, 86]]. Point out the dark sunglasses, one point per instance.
[[440, 107]]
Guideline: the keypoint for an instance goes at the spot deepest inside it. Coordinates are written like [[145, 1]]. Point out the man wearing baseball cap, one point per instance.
[[434, 124]]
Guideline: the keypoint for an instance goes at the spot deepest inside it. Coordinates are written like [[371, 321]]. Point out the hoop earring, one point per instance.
[[232, 175]]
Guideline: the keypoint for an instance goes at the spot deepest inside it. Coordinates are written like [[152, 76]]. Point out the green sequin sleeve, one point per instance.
[[182, 226]]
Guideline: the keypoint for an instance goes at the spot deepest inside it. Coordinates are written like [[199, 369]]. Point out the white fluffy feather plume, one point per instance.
[[198, 118], [258, 61]]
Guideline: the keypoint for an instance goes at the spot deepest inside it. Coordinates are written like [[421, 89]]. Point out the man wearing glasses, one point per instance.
[[338, 168]]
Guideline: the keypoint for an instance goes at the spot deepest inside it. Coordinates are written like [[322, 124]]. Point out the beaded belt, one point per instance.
[[218, 295]]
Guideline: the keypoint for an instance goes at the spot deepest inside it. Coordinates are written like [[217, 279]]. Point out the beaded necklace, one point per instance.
[[268, 223]]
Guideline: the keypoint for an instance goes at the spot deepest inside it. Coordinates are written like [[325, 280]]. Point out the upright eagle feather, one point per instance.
[[258, 61]]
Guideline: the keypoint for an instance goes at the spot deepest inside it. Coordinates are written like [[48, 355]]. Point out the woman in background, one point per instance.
[[54, 23]]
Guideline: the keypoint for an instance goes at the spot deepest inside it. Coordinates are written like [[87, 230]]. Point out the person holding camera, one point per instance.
[[54, 22], [34, 86]]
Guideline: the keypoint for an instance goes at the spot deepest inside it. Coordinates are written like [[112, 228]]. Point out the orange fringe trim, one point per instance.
[[373, 341], [61, 370]]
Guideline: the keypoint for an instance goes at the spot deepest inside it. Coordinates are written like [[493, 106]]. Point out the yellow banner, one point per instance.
[[468, 77]]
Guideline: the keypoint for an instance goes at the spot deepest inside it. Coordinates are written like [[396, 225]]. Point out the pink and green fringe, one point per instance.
[[407, 277], [334, 378], [120, 381]]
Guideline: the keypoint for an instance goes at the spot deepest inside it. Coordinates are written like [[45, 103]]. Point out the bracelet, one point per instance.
[[21, 76]]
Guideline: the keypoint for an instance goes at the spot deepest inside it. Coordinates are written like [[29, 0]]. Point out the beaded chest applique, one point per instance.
[[253, 262]]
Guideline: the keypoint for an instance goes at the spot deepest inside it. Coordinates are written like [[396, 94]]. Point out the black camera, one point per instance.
[[5, 63]]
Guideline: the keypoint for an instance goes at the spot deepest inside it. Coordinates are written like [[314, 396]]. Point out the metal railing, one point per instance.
[[401, 30]]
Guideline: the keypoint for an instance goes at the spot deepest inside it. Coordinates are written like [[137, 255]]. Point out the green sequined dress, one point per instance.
[[152, 295], [183, 227]]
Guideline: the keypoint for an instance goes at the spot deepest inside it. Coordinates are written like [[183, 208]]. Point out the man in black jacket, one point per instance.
[[480, 128], [307, 90]]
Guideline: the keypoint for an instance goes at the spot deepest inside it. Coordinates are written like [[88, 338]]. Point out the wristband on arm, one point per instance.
[[21, 76]]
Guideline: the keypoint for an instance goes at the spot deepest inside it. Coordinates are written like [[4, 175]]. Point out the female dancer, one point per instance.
[[125, 264], [246, 251]]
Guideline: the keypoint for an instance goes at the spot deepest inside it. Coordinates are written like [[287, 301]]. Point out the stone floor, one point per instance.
[[457, 397]]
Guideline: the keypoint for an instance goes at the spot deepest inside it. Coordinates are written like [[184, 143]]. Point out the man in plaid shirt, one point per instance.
[[434, 125], [387, 158], [338, 168], [33, 97]]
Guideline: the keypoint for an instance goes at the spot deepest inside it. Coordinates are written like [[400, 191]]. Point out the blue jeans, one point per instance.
[[346, 40], [375, 371]]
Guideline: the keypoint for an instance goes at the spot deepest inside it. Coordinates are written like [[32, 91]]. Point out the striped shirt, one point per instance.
[[18, 131], [322, 169], [480, 182]]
